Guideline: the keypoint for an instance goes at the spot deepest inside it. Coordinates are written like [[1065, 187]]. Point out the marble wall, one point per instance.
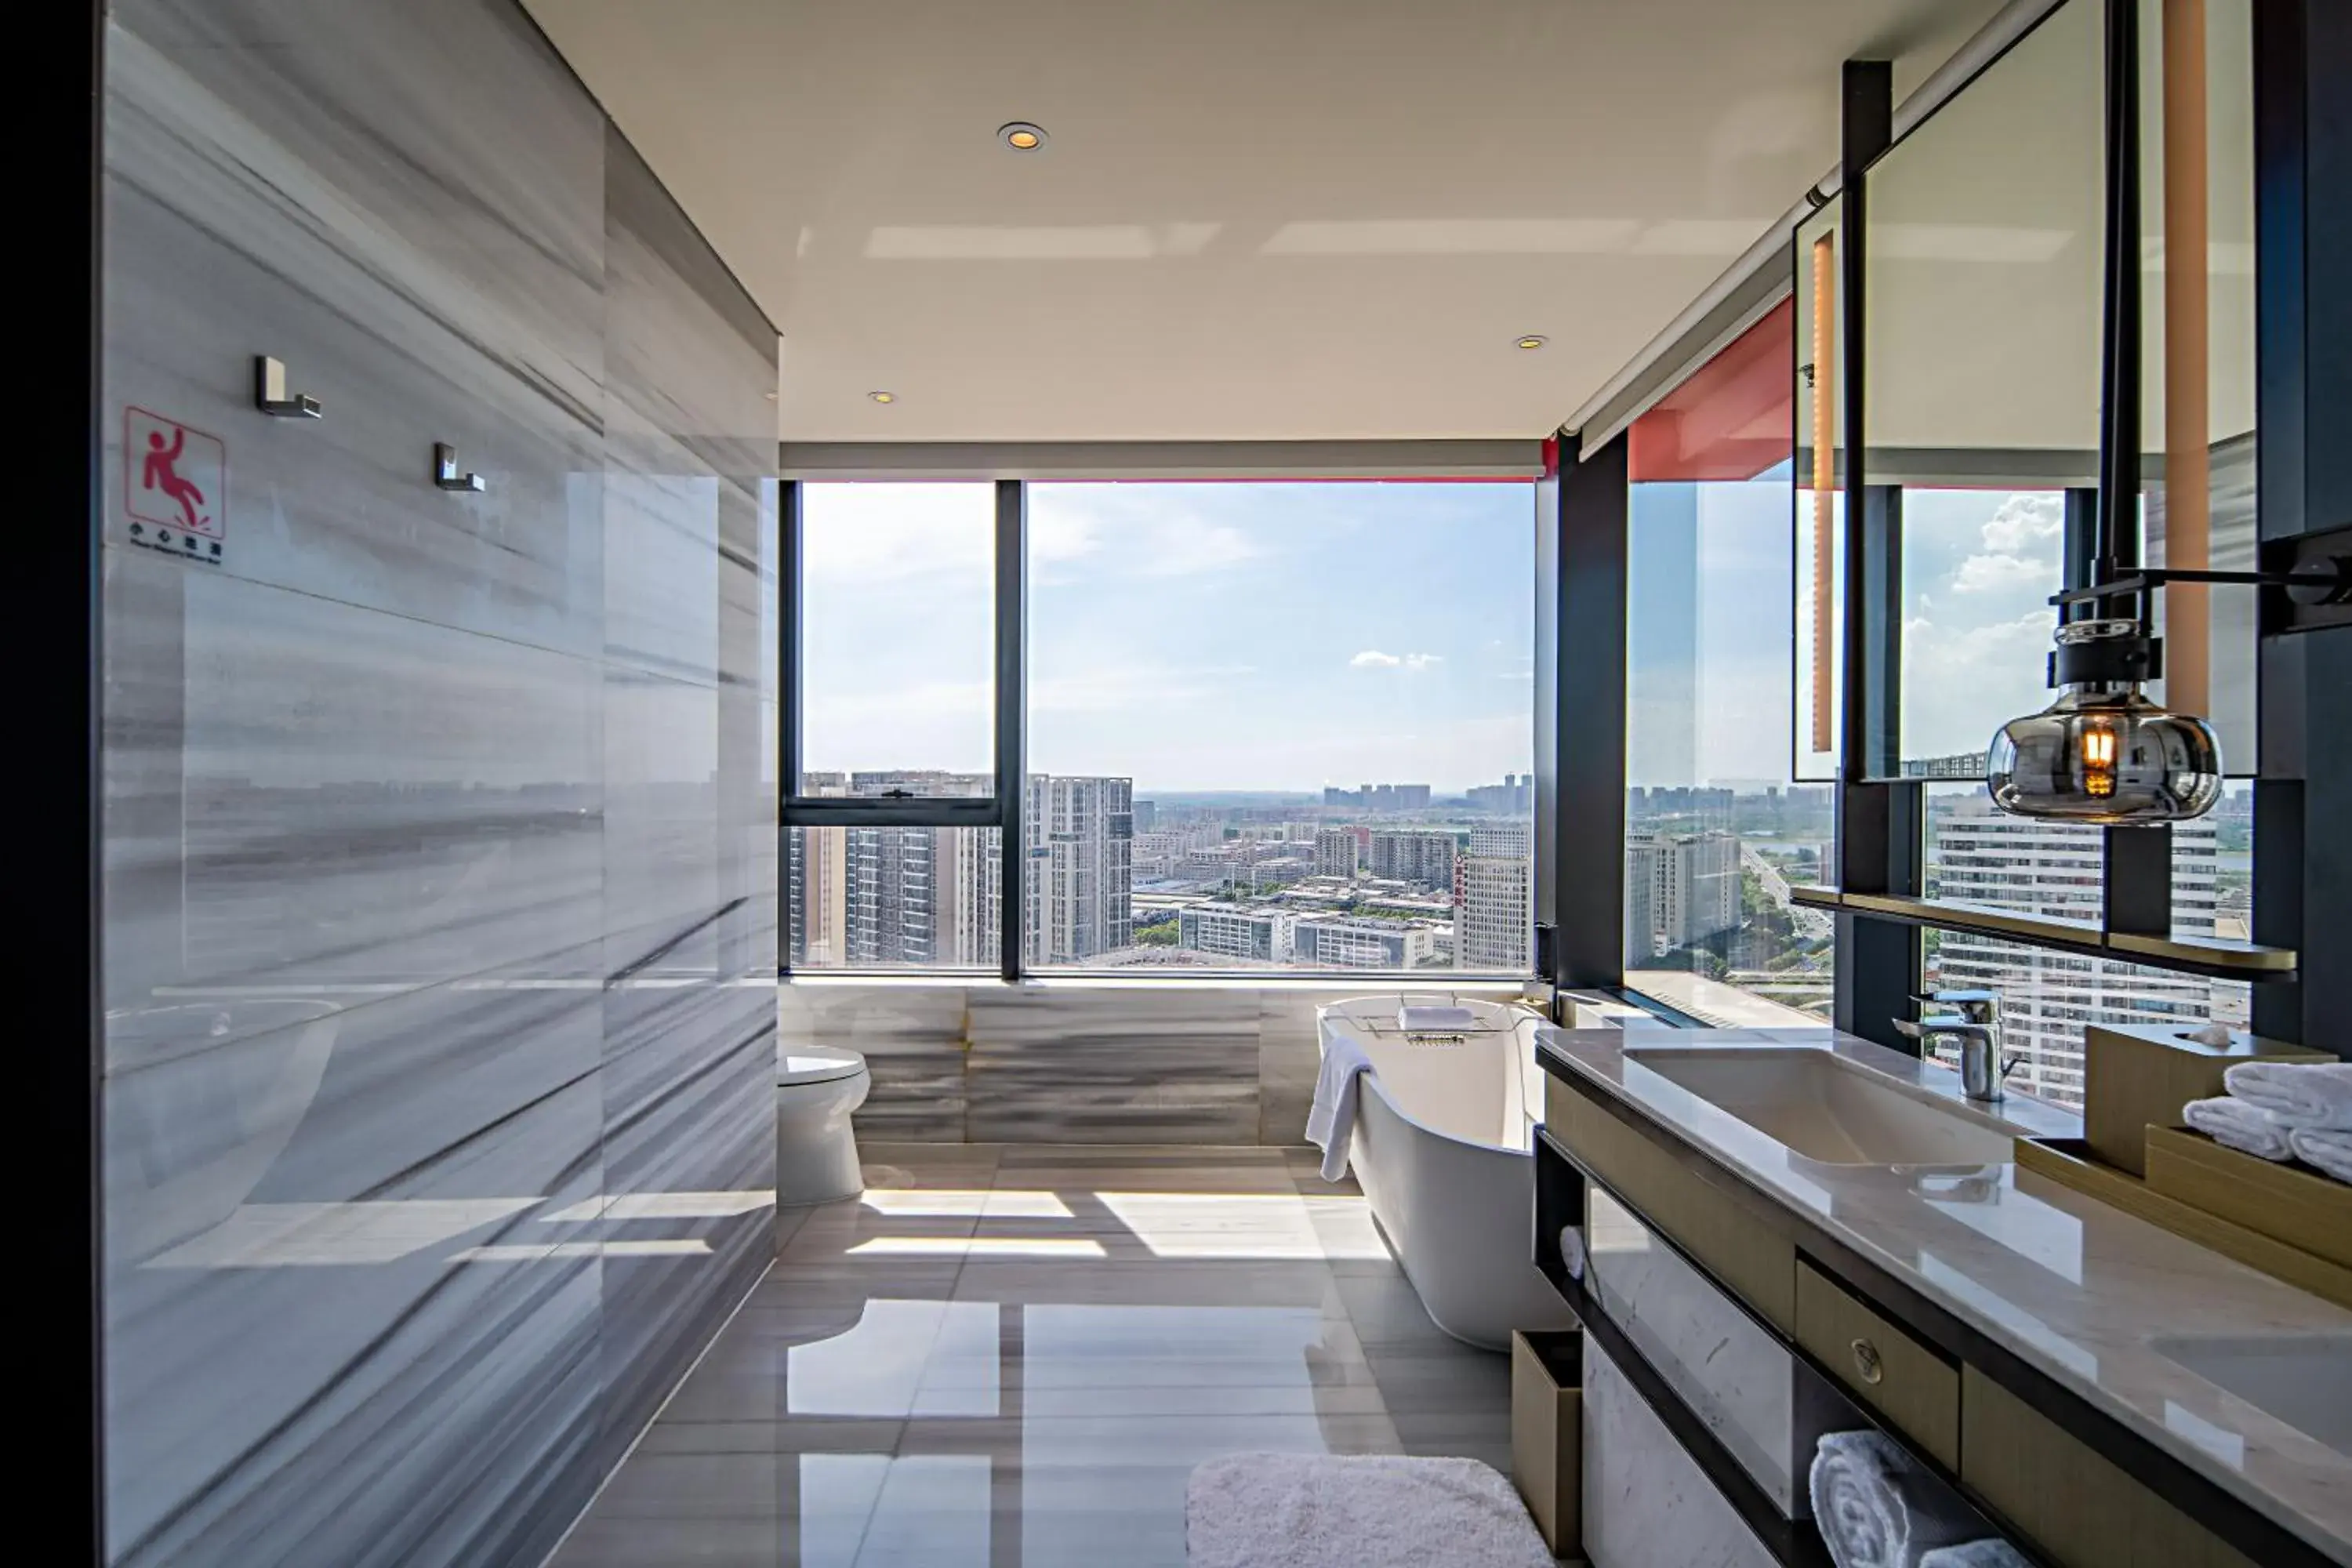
[[440, 901], [1152, 1061]]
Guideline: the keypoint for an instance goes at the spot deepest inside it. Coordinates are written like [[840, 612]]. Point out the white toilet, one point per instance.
[[817, 1152]]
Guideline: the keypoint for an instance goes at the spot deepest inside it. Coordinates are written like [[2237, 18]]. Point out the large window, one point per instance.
[[1718, 830], [1976, 856], [896, 638], [1265, 727], [1281, 726]]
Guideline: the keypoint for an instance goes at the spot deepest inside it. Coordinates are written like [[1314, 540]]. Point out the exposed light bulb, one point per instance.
[[2103, 754]]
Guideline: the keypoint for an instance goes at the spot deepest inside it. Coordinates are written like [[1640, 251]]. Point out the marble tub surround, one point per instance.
[[2086, 1295], [439, 854], [1077, 1060]]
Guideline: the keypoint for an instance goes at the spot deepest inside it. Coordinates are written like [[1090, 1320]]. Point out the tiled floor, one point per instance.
[[1015, 1355]]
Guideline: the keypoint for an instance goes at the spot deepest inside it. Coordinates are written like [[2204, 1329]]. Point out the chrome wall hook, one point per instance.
[[444, 470], [269, 394]]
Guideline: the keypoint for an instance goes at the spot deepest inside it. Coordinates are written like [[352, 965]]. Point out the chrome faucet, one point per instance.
[[1977, 1026]]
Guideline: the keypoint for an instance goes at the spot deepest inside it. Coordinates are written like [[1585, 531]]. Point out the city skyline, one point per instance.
[[1112, 881]]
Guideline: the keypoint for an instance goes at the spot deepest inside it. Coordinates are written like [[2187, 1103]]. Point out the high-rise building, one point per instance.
[[1335, 852], [1339, 943], [1147, 816], [1978, 855], [1494, 900], [1380, 797], [1514, 796], [1680, 888], [1414, 855], [933, 897], [1080, 880], [1229, 930]]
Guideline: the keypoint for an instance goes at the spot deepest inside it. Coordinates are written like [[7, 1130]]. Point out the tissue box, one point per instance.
[[2135, 1077]]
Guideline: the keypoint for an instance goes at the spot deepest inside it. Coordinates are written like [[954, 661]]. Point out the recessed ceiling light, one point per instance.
[[883, 396], [1533, 341], [1022, 136]]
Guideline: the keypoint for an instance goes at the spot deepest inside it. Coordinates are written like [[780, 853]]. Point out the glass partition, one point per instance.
[[2197, 249], [1983, 253], [1818, 559], [1718, 829]]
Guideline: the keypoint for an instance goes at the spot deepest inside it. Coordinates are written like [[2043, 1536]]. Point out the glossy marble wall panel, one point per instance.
[[426, 261], [1137, 1065], [306, 794], [1069, 1062], [690, 1020], [439, 840], [912, 1037]]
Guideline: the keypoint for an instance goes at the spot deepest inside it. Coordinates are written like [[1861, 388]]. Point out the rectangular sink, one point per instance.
[[1829, 1110], [2304, 1379]]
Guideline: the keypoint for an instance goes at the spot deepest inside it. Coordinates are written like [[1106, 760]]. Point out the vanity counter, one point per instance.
[[2082, 1294]]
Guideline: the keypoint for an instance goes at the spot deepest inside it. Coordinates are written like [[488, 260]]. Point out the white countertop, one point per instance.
[[2075, 1287]]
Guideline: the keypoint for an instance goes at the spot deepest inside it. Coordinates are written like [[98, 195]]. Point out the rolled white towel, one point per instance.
[[2328, 1151], [2299, 1094], [1990, 1552], [1571, 1251], [1876, 1509], [2235, 1125]]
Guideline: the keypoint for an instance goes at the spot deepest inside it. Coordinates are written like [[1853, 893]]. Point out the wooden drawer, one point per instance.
[[1880, 1364], [1723, 1227], [2078, 1509]]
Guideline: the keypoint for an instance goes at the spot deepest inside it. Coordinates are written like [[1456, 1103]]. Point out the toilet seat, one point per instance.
[[816, 1064]]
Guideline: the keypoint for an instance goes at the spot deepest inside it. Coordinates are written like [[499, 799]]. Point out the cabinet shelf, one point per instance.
[[2214, 957]]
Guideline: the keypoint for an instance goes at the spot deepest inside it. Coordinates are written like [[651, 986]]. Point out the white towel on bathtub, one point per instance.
[[1331, 1121]]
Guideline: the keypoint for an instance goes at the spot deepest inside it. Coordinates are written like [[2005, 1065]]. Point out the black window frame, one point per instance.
[[1002, 809]]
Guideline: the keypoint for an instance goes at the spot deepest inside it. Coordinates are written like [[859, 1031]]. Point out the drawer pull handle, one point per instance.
[[1866, 1362]]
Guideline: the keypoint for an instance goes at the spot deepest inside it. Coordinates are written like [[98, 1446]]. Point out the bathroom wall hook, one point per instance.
[[444, 470], [269, 394]]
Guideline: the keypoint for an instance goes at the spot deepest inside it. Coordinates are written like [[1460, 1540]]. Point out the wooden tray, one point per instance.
[[2069, 1162], [2286, 1202]]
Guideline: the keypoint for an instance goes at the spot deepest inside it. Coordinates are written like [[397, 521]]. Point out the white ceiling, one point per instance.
[[1255, 219]]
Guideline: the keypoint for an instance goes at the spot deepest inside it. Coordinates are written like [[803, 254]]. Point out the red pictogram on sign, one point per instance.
[[175, 484]]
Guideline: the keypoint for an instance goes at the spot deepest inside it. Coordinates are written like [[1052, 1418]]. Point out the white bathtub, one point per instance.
[[1443, 1149]]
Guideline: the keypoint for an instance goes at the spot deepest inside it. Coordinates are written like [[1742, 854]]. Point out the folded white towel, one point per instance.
[[1331, 1121], [1990, 1552], [2329, 1151], [1876, 1508], [2238, 1124], [2300, 1094], [1571, 1251]]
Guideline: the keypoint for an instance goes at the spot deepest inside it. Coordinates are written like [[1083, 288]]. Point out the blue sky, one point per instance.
[[1287, 636], [1191, 637]]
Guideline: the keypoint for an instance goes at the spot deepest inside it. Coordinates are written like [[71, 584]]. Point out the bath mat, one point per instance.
[[1372, 1510]]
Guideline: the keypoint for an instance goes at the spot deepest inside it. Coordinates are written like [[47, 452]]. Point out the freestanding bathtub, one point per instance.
[[1444, 1151]]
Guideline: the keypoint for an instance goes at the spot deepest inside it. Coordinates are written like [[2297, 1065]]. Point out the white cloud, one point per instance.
[[1373, 658], [2019, 542], [1422, 660], [1963, 683], [2023, 522], [1995, 574]]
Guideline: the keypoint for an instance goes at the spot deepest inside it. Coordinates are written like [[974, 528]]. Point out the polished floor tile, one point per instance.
[[1015, 1355]]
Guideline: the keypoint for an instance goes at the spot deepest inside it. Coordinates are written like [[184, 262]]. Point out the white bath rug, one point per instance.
[[1374, 1511]]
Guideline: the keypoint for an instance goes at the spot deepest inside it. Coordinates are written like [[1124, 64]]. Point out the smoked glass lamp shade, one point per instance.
[[2110, 758]]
